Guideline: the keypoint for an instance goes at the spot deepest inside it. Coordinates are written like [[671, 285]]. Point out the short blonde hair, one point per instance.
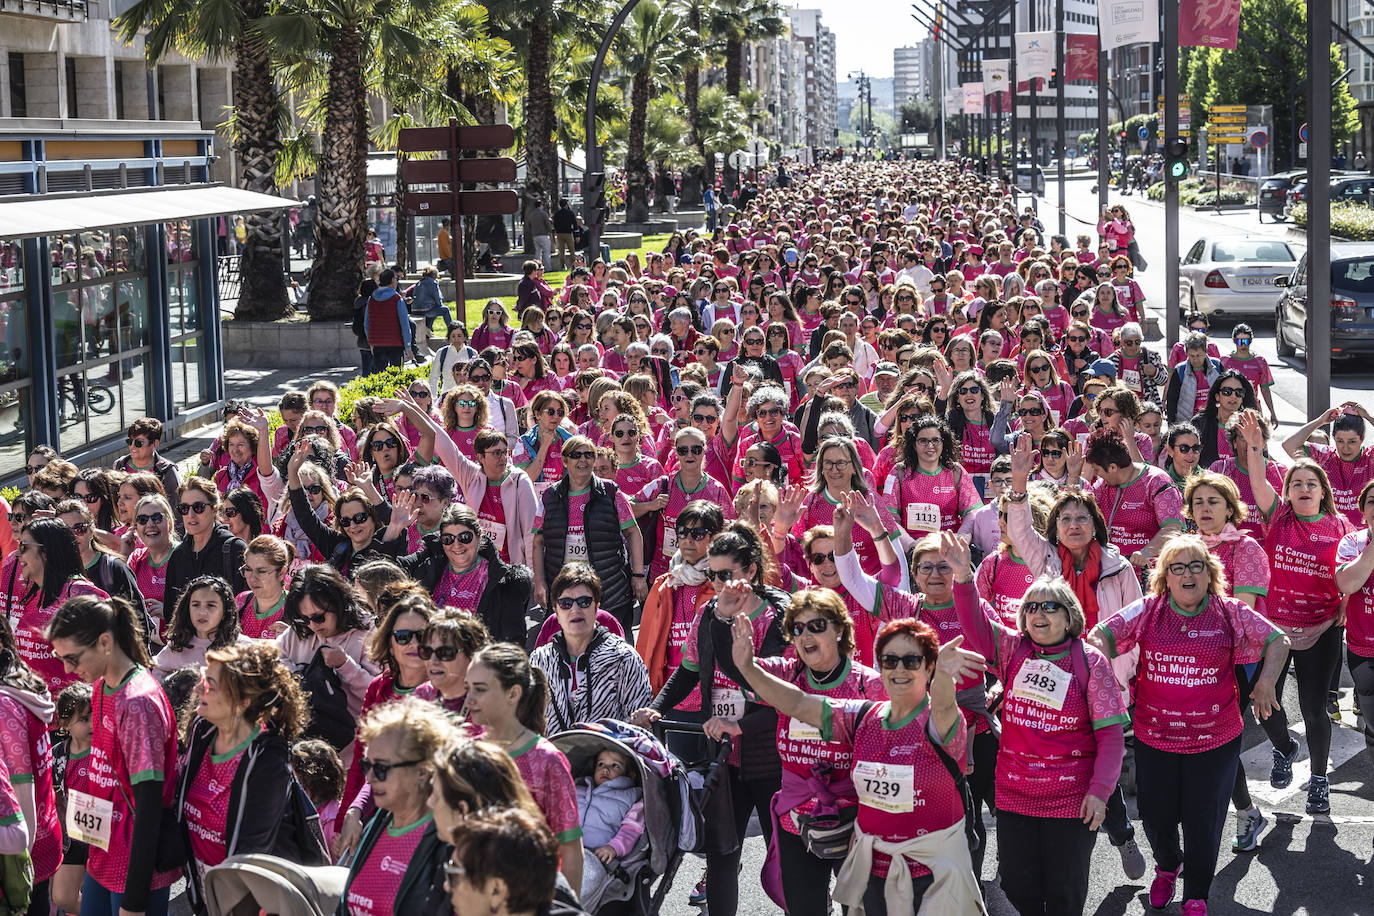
[[422, 733], [1053, 588], [829, 605], [1174, 551]]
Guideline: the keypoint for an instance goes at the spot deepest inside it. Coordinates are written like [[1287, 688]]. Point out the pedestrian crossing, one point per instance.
[[1347, 740]]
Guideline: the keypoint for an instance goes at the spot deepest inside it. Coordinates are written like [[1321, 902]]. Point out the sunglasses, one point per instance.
[[625, 433], [185, 509], [1073, 339], [685, 450], [694, 534], [379, 445], [445, 653], [316, 619], [155, 518], [479, 379], [89, 499], [1036, 370], [1031, 412], [720, 575], [465, 402], [1227, 392], [462, 537], [1054, 454], [553, 412], [1188, 449], [579, 456], [382, 770], [140, 442], [1242, 341], [314, 430], [816, 559], [404, 637], [582, 601], [230, 512], [1047, 608], [770, 411], [909, 662], [348, 521], [81, 528], [819, 625], [970, 389], [421, 394]]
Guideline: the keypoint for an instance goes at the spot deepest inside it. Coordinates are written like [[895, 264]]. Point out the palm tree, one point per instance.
[[653, 52], [734, 23], [217, 29]]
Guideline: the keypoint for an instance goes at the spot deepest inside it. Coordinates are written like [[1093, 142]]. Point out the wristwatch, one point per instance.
[[637, 576], [1012, 496]]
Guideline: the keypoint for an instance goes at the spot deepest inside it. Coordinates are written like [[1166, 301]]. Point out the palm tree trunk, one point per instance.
[[636, 168], [342, 182], [403, 253], [541, 156], [257, 140], [734, 65]]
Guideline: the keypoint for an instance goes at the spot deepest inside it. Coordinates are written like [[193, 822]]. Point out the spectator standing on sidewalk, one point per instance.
[[541, 232], [565, 227], [387, 324]]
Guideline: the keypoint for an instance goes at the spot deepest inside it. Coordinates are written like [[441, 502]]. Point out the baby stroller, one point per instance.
[[674, 796], [253, 883]]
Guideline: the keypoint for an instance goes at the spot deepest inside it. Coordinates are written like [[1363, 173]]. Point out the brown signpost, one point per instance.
[[454, 172]]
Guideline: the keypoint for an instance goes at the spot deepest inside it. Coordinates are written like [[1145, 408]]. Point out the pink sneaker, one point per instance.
[[1195, 908], [1162, 889]]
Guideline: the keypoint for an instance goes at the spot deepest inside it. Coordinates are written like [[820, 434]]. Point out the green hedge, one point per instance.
[[1348, 220], [382, 384]]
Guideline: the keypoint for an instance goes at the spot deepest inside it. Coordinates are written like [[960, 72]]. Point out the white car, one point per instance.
[[1234, 275]]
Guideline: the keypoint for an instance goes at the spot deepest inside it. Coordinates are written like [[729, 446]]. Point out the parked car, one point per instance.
[[1030, 178], [1353, 190], [1351, 305], [1234, 275], [1273, 194]]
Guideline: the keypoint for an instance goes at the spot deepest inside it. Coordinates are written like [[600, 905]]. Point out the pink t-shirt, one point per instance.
[[465, 439], [1348, 478], [788, 443], [1137, 510], [256, 622], [1246, 566], [727, 697], [27, 751], [33, 645], [678, 498], [549, 778], [152, 582], [372, 892], [461, 590], [1253, 524], [577, 530], [923, 502], [1302, 560], [800, 745], [207, 805], [1255, 369], [491, 518], [1002, 581], [134, 740], [976, 452], [632, 478], [1359, 607], [1186, 700], [903, 787], [684, 618]]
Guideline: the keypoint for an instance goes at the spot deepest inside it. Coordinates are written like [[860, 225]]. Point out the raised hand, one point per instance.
[[864, 508], [789, 507], [358, 473], [734, 598], [742, 645], [1075, 460], [1007, 391], [1251, 431], [1022, 457], [955, 550], [960, 663], [403, 510]]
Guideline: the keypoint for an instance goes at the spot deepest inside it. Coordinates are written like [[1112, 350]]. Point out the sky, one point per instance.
[[865, 41]]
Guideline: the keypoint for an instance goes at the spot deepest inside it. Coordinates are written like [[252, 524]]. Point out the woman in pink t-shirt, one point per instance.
[[1187, 713], [1355, 577]]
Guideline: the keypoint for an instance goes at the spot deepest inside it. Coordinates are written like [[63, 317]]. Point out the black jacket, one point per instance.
[[505, 599], [260, 825], [221, 556], [335, 546], [606, 550], [422, 886]]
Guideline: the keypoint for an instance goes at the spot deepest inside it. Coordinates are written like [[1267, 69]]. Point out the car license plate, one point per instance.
[[1256, 281]]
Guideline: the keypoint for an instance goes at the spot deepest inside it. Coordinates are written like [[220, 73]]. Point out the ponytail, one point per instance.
[[512, 668], [85, 618]]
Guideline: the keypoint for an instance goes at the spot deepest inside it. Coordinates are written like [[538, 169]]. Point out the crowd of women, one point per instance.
[[877, 484]]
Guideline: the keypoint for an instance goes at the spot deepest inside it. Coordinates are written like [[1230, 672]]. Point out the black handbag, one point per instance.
[[828, 836]]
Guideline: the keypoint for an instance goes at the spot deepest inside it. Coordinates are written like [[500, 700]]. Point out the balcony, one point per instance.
[[60, 10]]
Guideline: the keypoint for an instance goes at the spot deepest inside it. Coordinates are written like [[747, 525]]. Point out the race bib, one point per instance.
[[541, 487], [88, 819], [798, 730], [787, 386], [669, 546], [922, 517], [727, 704], [1131, 379], [494, 530], [1043, 683], [577, 547], [885, 786]]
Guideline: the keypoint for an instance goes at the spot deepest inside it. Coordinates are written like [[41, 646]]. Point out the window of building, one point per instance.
[[16, 382], [119, 89], [19, 97], [186, 328], [70, 69]]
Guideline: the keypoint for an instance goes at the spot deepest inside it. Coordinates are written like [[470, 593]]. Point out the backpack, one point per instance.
[[16, 883], [329, 717], [359, 325]]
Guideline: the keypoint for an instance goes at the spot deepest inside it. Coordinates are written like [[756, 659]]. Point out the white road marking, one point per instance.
[[1346, 742]]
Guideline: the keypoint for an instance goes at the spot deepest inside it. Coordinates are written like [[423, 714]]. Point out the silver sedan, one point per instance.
[[1234, 275]]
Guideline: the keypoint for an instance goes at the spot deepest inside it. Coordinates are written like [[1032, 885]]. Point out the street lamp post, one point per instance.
[[591, 214]]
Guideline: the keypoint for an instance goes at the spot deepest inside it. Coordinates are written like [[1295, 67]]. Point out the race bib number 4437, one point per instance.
[[88, 819]]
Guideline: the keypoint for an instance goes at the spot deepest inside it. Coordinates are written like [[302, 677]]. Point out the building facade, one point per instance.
[[912, 72], [813, 78]]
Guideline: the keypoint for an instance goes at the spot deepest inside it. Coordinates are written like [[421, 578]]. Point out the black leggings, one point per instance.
[[1191, 791], [1312, 667], [40, 901], [1362, 671], [722, 869], [1240, 794], [1044, 863], [805, 878], [875, 900], [981, 785]]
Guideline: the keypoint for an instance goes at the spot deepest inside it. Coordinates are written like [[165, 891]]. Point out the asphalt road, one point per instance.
[[1322, 866]]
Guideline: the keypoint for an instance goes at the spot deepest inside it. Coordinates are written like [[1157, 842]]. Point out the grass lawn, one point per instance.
[[556, 278]]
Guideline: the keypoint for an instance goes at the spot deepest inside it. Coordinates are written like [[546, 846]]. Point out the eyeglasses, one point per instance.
[[314, 430], [909, 662], [465, 403], [462, 537], [497, 454], [445, 653], [1197, 568], [379, 445], [316, 619], [1031, 412], [1187, 449], [625, 433], [838, 464], [73, 660], [140, 442], [1077, 339], [230, 512], [382, 770], [928, 441], [1229, 392], [454, 871], [819, 625], [694, 534], [930, 569], [720, 575], [684, 450], [1242, 341], [199, 508], [348, 521], [816, 559], [1033, 608], [582, 601]]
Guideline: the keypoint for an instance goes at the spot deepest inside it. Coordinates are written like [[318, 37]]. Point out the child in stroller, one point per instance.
[[611, 803]]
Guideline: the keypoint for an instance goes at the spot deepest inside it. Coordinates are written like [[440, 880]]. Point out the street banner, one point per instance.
[[1208, 23], [1080, 56], [996, 74], [1034, 56], [973, 98], [1126, 22]]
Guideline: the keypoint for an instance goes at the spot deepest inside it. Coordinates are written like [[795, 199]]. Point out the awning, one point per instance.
[[44, 214]]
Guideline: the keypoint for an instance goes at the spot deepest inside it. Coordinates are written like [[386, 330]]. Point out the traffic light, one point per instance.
[[1176, 158], [1123, 135], [1054, 78], [594, 207]]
